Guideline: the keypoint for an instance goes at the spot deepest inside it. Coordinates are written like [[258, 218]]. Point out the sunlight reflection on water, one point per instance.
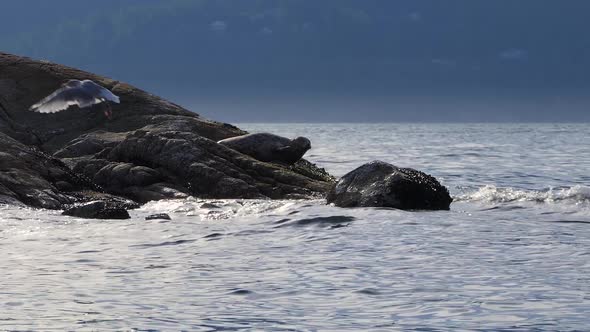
[[510, 255]]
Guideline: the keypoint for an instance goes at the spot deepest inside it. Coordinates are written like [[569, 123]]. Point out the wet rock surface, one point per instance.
[[159, 216], [379, 184], [37, 179], [99, 210]]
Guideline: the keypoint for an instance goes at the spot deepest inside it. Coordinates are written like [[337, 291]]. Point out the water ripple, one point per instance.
[[511, 255], [330, 221], [162, 244]]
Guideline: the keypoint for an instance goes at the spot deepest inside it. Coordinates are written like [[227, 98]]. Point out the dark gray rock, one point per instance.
[[310, 170], [34, 178], [155, 192], [90, 144], [210, 170], [209, 206], [379, 184], [98, 210], [120, 175], [159, 216]]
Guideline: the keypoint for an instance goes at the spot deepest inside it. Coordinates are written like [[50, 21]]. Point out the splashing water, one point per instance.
[[489, 193]]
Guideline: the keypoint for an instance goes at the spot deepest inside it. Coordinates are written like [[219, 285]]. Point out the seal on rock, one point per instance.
[[269, 147]]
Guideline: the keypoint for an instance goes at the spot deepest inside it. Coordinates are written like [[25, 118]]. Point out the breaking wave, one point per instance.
[[574, 195], [229, 208]]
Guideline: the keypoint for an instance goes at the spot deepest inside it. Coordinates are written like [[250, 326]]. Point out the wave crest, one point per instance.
[[577, 195]]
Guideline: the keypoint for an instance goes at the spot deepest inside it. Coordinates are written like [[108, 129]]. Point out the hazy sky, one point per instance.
[[326, 60]]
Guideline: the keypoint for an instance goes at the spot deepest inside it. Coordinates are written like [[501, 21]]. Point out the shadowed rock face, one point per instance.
[[379, 184], [151, 149], [34, 178], [31, 177]]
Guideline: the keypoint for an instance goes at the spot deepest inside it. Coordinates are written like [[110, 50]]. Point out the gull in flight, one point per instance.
[[74, 92]]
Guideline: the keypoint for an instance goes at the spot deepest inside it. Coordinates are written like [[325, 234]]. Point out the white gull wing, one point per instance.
[[63, 98], [83, 94], [99, 91]]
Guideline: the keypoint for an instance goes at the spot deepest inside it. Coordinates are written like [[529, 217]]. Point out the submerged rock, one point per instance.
[[98, 210], [379, 184], [151, 149], [159, 216]]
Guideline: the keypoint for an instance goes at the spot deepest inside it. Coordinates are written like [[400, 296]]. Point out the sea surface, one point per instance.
[[513, 254]]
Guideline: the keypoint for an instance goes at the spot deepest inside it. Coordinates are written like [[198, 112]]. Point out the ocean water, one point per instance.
[[513, 254]]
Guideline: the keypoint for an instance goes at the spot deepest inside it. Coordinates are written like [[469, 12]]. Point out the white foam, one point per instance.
[[224, 209], [577, 195]]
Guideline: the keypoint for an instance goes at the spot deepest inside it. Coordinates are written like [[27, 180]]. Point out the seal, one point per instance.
[[269, 147]]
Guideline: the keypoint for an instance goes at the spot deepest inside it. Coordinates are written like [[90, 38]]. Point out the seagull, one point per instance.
[[74, 92]]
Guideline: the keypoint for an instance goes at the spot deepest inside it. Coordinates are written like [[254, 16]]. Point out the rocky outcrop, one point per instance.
[[379, 184], [151, 149]]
